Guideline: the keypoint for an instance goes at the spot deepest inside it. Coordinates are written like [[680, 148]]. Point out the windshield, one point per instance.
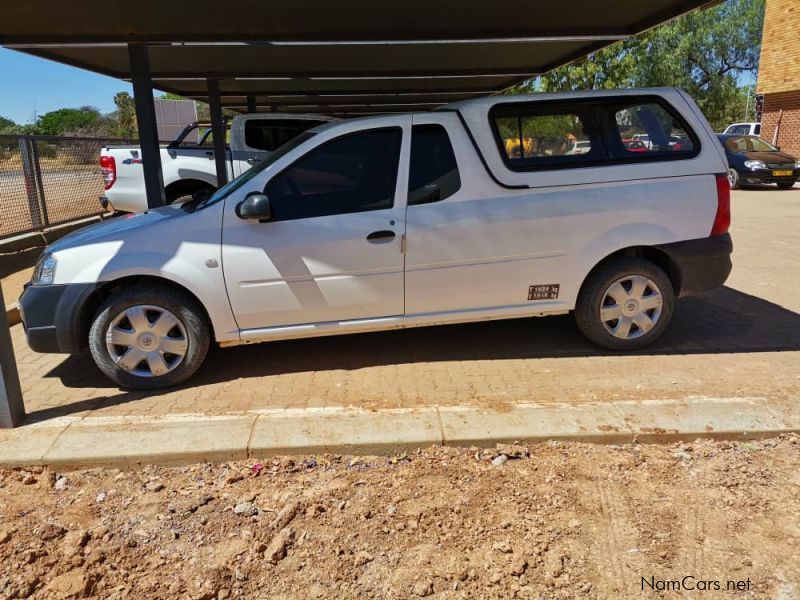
[[747, 143], [235, 184]]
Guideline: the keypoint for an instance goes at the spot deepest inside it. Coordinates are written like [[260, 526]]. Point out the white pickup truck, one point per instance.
[[188, 162]]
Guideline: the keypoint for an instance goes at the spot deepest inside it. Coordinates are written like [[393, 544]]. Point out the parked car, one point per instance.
[[404, 221], [743, 129], [676, 142], [635, 145], [187, 163], [642, 142], [753, 160], [644, 139], [581, 147]]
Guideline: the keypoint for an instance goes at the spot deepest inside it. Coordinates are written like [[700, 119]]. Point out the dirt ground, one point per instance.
[[556, 520]]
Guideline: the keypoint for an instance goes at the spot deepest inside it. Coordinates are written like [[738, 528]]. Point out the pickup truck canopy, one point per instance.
[[341, 58]]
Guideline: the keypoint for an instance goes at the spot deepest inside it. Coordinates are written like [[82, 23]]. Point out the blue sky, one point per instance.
[[29, 81]]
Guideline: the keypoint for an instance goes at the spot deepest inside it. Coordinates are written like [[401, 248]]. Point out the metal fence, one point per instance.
[[46, 181]]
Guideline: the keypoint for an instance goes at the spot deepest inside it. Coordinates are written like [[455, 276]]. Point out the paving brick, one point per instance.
[[742, 340]]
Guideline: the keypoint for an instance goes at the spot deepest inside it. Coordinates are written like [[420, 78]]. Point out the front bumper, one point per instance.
[[701, 264], [765, 176], [53, 318]]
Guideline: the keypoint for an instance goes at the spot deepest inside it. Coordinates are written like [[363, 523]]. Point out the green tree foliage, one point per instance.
[[125, 114], [701, 52], [7, 125], [69, 121]]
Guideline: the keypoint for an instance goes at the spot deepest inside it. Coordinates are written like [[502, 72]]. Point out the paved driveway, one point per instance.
[[742, 340]]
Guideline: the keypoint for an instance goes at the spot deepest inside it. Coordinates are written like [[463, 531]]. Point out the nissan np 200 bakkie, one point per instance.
[[494, 208]]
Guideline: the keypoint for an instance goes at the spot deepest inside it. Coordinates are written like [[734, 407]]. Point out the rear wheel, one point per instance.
[[733, 179], [786, 185], [626, 304], [149, 337]]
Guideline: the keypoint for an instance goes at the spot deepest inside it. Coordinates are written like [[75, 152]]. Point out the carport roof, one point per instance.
[[348, 57]]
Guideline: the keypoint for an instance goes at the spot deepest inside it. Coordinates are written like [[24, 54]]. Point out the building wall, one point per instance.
[[779, 69], [789, 134], [779, 74]]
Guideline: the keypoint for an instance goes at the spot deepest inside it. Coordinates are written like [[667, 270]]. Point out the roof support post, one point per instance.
[[12, 409], [251, 104], [218, 131], [146, 123]]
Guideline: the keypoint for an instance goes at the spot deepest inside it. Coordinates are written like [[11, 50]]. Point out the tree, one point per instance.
[[701, 52], [69, 121], [125, 114], [7, 125]]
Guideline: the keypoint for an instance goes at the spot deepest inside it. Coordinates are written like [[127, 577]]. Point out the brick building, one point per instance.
[[779, 74]]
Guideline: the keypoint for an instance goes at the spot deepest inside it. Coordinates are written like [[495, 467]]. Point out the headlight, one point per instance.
[[45, 270], [755, 164]]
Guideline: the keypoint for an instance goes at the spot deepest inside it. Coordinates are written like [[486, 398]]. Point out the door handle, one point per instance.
[[381, 237], [253, 161]]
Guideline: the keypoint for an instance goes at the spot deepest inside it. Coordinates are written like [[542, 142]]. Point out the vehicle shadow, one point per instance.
[[760, 187], [720, 321]]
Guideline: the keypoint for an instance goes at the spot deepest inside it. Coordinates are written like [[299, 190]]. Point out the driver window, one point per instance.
[[353, 173]]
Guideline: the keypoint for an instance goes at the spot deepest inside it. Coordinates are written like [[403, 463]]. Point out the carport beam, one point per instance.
[[218, 131], [12, 409], [146, 123]]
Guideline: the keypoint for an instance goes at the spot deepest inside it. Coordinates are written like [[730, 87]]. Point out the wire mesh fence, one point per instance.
[[46, 181]]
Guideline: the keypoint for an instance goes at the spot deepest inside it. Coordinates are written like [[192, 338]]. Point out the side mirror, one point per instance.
[[255, 206]]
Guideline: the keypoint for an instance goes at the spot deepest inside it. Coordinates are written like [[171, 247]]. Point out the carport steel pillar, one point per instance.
[[251, 104], [12, 410], [218, 131], [146, 123]]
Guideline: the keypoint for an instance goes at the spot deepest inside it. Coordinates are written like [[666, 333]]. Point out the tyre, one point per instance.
[[199, 195], [149, 337], [733, 178], [786, 185], [625, 304]]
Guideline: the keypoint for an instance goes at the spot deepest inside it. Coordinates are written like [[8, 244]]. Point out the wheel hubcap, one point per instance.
[[147, 341], [732, 177], [631, 306]]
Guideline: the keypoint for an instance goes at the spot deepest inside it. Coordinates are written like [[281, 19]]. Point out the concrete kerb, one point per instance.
[[182, 439]]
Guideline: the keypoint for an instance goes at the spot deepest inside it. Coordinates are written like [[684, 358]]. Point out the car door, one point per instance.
[[332, 250], [470, 244], [257, 137]]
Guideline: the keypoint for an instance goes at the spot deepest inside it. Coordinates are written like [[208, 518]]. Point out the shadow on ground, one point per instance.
[[720, 321]]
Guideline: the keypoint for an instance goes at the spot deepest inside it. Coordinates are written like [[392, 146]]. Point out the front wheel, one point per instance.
[[149, 337], [786, 185], [733, 179], [197, 196], [625, 305]]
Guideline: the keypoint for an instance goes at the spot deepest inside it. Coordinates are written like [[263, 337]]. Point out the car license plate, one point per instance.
[[782, 173]]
